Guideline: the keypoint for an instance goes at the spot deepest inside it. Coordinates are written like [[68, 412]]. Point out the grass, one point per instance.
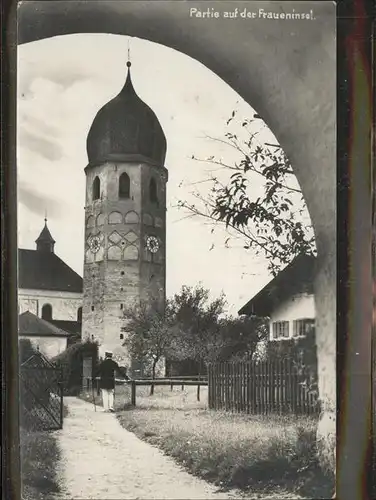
[[40, 456], [264, 455]]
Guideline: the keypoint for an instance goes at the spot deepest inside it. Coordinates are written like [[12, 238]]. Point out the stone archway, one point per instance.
[[279, 69]]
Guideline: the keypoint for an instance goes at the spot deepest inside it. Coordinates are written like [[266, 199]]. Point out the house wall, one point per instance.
[[64, 304], [300, 306], [49, 346]]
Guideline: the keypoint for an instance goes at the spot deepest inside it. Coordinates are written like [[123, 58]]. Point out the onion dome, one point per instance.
[[125, 129], [45, 242]]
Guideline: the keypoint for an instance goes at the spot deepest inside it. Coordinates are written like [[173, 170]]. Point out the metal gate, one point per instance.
[[41, 394]]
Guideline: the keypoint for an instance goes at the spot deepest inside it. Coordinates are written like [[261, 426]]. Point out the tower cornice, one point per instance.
[[134, 158]]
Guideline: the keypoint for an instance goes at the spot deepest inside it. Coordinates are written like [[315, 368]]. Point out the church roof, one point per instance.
[[29, 324], [295, 278], [124, 129], [39, 270], [73, 327]]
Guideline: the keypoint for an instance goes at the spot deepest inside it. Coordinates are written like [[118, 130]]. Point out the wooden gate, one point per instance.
[[41, 394]]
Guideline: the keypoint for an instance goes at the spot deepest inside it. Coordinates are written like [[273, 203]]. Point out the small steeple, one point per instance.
[[45, 242]]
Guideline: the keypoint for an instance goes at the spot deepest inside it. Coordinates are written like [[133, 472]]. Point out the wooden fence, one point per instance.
[[183, 381], [260, 388]]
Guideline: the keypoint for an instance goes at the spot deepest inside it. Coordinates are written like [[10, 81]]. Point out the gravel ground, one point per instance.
[[102, 460]]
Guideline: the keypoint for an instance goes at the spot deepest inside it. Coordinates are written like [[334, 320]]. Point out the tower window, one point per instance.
[[92, 308], [79, 315], [121, 336], [122, 273], [47, 312], [121, 306], [153, 195], [124, 185], [96, 189]]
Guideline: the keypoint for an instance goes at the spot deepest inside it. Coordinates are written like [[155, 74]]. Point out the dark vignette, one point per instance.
[[354, 268], [372, 474], [373, 177], [354, 211], [354, 262], [9, 329]]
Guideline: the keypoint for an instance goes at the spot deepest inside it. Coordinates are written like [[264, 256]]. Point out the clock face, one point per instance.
[[152, 244], [95, 244]]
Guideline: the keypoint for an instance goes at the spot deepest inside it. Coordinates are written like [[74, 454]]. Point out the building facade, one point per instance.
[[48, 287], [288, 301], [125, 218], [43, 336]]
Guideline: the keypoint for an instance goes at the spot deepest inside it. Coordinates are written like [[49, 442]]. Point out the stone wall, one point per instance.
[[64, 305], [121, 272]]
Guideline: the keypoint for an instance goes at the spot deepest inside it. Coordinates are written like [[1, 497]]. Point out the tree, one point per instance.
[[242, 336], [149, 334], [260, 202], [206, 333], [192, 327], [196, 319]]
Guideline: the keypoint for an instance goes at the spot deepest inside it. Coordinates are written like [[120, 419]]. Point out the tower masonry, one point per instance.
[[125, 218]]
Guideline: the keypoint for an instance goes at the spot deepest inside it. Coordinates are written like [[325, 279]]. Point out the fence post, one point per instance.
[[198, 391], [133, 393]]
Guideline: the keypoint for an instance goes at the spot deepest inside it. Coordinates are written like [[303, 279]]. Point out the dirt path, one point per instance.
[[101, 460]]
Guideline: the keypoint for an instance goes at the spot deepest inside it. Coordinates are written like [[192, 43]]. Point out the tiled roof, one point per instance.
[[29, 324], [40, 270], [73, 327], [296, 278]]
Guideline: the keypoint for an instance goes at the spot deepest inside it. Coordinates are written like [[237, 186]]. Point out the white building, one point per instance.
[[48, 288], [47, 338], [287, 300]]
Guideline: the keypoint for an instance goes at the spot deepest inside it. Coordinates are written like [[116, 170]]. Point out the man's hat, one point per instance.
[[108, 353]]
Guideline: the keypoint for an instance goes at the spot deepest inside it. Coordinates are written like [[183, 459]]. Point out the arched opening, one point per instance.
[[124, 186], [79, 315], [47, 312], [96, 189], [153, 193], [314, 163]]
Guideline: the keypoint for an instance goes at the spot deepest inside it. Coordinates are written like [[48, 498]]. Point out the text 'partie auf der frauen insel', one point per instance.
[[244, 13]]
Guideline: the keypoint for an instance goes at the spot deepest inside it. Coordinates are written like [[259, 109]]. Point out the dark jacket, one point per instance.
[[106, 372]]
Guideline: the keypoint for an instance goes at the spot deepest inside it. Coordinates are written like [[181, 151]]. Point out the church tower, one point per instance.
[[125, 217]]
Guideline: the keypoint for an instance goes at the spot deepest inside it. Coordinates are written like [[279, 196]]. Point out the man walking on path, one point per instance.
[[106, 372]]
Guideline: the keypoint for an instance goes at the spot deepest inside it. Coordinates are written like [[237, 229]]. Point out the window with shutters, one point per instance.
[[302, 326], [280, 329]]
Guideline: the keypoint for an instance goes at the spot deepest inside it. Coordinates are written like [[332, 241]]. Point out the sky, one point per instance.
[[62, 84]]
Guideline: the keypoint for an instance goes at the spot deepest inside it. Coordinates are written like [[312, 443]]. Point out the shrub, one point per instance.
[[25, 350], [71, 360]]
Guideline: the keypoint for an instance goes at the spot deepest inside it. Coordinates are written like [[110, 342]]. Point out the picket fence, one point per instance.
[[272, 386]]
